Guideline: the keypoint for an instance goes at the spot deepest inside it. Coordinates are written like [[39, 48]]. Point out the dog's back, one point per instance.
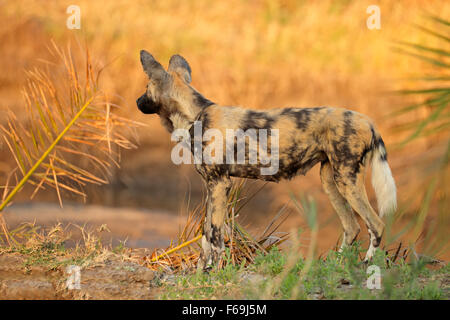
[[306, 136]]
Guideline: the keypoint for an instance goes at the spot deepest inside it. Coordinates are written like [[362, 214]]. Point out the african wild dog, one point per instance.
[[343, 141]]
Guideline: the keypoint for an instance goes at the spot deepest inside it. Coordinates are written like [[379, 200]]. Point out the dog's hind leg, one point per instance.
[[340, 205], [213, 228], [351, 186]]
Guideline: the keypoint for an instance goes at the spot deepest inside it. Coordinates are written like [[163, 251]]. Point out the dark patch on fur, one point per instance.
[[213, 171], [200, 100], [374, 145], [250, 121], [250, 172], [348, 124], [216, 236], [343, 152], [380, 142], [368, 148], [290, 164], [302, 116], [299, 161]]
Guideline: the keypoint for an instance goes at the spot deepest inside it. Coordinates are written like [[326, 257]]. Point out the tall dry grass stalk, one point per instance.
[[70, 135]]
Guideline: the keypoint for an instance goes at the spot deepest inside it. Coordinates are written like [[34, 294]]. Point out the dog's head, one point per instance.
[[166, 90]]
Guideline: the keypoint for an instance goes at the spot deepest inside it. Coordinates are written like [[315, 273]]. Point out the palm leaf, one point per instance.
[[430, 118], [65, 139]]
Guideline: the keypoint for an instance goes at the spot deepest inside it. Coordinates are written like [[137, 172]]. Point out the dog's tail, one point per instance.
[[382, 180]]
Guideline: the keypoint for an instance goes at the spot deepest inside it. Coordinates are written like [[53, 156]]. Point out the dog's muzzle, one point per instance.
[[146, 105]]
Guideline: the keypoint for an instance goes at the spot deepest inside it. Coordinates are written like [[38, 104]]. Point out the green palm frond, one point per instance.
[[437, 94], [429, 118]]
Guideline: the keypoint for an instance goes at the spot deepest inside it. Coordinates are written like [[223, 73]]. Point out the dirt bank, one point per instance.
[[109, 279]]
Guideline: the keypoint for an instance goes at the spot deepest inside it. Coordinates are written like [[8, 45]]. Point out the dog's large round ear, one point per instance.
[[152, 68], [179, 64]]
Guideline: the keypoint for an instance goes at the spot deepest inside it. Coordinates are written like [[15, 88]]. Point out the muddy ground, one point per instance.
[[109, 279]]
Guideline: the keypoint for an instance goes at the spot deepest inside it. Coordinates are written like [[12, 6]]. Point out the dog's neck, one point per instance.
[[183, 115]]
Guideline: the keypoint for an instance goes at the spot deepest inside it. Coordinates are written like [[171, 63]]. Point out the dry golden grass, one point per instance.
[[256, 53]]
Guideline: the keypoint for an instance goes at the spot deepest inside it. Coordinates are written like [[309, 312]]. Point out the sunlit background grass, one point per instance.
[[258, 54]]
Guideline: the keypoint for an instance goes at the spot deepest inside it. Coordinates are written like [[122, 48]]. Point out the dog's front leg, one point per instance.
[[205, 259], [213, 228]]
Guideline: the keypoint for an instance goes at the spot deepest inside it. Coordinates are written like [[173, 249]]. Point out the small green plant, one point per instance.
[[337, 276], [271, 263]]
